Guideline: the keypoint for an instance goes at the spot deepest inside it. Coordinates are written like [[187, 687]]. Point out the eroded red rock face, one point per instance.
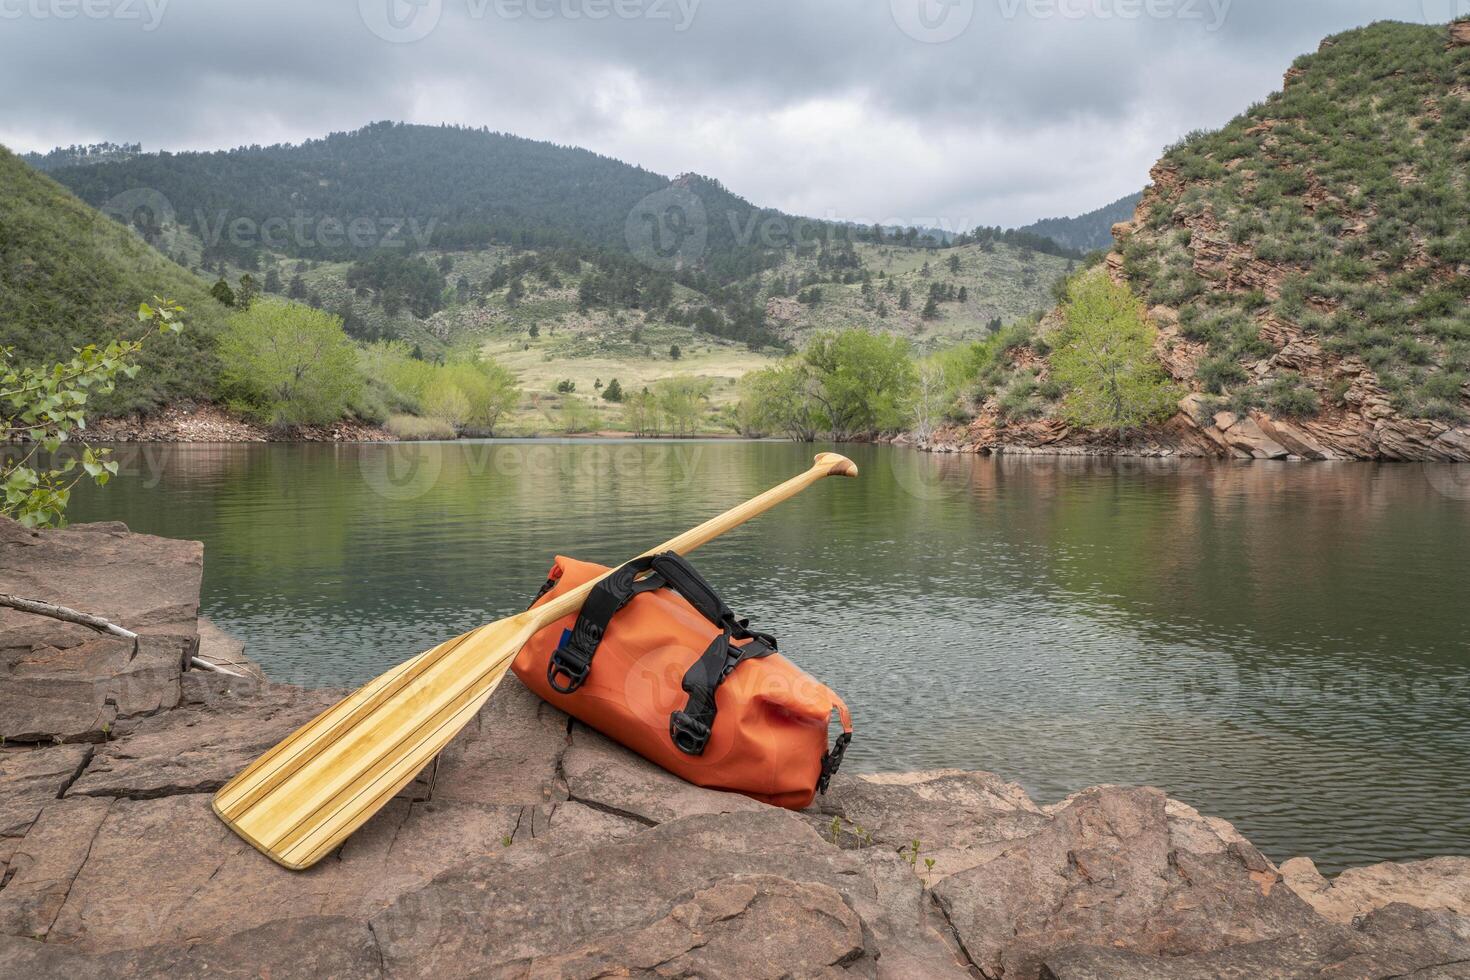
[[1357, 418]]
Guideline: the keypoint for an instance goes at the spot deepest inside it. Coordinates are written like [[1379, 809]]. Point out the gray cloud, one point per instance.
[[825, 107]]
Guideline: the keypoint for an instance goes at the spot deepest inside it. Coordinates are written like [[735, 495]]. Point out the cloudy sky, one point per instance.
[[939, 112]]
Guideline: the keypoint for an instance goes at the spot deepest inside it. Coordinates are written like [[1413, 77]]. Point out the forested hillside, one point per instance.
[[1087, 232], [437, 186], [70, 276]]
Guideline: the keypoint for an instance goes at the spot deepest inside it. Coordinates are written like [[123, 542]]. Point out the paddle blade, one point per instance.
[[301, 800]]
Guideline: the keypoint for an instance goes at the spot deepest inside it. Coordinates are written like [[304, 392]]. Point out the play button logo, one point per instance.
[[401, 21]]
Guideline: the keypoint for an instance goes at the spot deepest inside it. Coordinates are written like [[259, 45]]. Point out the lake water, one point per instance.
[[1283, 645]]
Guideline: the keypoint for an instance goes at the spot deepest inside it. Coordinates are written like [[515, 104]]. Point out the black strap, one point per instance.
[[690, 728], [831, 760], [572, 659]]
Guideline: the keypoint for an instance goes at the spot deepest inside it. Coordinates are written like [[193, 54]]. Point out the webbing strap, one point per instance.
[[690, 728], [572, 660]]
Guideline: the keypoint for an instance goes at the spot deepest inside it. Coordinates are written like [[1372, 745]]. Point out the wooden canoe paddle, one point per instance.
[[303, 798]]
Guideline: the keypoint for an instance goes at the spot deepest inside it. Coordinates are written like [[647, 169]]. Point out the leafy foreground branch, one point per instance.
[[45, 408]]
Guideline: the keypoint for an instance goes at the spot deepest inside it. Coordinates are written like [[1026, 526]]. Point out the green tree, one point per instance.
[[490, 392], [674, 352], [643, 414], [289, 364], [931, 309], [862, 381], [1105, 360], [613, 392], [446, 400], [247, 291], [46, 407], [272, 280], [781, 399], [681, 402], [297, 289], [577, 416], [222, 292]]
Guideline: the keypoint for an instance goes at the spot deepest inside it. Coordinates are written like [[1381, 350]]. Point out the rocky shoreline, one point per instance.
[[203, 422], [534, 847]]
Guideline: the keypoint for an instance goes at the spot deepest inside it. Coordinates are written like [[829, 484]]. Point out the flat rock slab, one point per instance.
[[959, 819], [1395, 943], [30, 778], [1114, 867], [1438, 883], [604, 774], [62, 682], [676, 887], [510, 753], [197, 748], [311, 947]]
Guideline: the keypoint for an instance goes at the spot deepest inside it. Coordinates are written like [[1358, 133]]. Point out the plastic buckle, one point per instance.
[[568, 663], [832, 760], [690, 735]]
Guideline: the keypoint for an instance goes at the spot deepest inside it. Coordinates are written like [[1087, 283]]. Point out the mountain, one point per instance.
[[1086, 232], [409, 186], [1307, 268], [70, 276]]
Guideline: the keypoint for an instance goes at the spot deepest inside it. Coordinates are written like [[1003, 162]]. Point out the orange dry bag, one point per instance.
[[658, 662]]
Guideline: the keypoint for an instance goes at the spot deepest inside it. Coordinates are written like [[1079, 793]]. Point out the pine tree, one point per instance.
[[613, 392], [272, 280], [297, 289], [247, 292], [221, 291], [931, 309], [674, 352]]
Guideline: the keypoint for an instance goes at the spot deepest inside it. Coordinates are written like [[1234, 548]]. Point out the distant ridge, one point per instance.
[[1087, 232]]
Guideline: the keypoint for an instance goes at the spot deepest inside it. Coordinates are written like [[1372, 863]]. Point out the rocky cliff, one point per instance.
[[1307, 270], [534, 847]]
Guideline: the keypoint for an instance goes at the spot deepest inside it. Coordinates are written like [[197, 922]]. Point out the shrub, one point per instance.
[[1218, 373], [1291, 397], [1104, 359], [289, 364], [412, 427]]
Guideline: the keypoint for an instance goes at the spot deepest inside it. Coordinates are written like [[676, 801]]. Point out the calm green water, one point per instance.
[[1282, 645]]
